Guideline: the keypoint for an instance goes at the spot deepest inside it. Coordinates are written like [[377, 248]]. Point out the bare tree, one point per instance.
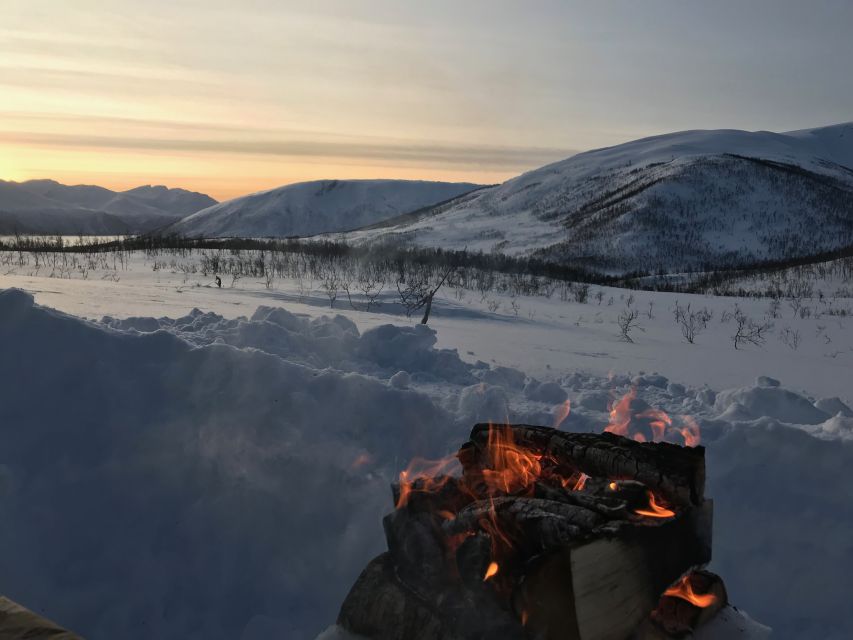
[[790, 338], [749, 331], [371, 281], [417, 287], [692, 323], [331, 282], [627, 322]]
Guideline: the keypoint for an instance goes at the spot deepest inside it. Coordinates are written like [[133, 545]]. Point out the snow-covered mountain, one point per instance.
[[308, 208], [681, 200], [47, 206]]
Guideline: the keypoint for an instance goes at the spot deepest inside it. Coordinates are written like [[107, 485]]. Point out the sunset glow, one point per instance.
[[226, 99]]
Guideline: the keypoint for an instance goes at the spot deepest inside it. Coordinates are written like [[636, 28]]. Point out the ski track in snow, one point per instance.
[[211, 476]]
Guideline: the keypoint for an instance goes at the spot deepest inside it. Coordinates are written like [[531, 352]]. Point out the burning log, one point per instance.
[[540, 534]]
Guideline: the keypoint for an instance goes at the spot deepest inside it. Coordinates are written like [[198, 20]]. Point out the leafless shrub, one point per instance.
[[790, 338], [627, 322], [749, 331], [691, 322]]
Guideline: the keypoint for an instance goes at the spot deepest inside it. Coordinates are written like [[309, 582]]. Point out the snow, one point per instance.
[[308, 208], [48, 207], [216, 461], [685, 198]]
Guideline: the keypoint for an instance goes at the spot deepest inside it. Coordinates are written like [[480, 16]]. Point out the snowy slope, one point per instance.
[[179, 202], [673, 201], [307, 208], [47, 206]]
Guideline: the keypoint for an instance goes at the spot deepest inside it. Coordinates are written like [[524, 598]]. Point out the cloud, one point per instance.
[[483, 156]]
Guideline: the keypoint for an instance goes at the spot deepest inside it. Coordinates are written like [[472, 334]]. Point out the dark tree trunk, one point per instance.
[[428, 308]]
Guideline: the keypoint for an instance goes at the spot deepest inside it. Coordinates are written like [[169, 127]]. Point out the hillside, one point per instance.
[[308, 208], [47, 206], [683, 200]]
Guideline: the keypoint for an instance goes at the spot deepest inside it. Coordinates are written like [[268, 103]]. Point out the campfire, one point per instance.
[[533, 532]]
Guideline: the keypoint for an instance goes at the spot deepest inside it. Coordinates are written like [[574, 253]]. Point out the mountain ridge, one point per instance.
[[48, 206], [724, 196], [317, 206]]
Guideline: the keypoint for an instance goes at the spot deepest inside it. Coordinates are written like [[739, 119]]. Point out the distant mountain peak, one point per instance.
[[48, 206], [317, 206]]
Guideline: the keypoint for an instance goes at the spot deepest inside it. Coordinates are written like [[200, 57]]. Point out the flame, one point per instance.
[[662, 426], [581, 483], [655, 510], [524, 617], [620, 414], [433, 474], [613, 486], [690, 432], [511, 468], [491, 571], [684, 589], [659, 422], [561, 412]]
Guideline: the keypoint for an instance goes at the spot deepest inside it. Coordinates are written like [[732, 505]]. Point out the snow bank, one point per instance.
[[201, 477]]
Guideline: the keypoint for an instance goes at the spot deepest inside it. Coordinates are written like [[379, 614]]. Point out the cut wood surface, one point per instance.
[[17, 623]]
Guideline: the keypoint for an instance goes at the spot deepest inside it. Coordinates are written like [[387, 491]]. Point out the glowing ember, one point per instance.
[[655, 510], [613, 486], [491, 571], [684, 589], [581, 483]]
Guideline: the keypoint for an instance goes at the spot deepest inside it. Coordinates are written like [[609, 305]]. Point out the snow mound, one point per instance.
[[775, 402], [203, 477]]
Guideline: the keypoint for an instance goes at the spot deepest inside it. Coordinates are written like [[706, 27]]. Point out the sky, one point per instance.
[[233, 97]]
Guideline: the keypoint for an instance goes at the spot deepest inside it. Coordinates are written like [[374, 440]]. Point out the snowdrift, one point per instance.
[[202, 477]]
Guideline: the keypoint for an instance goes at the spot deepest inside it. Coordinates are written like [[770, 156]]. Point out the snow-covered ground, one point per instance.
[[222, 472]]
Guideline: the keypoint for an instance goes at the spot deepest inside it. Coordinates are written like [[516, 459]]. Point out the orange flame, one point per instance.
[[491, 571], [620, 414], [661, 425], [684, 589], [655, 510], [659, 422], [511, 468], [524, 616], [434, 474], [690, 432], [562, 412], [581, 483]]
